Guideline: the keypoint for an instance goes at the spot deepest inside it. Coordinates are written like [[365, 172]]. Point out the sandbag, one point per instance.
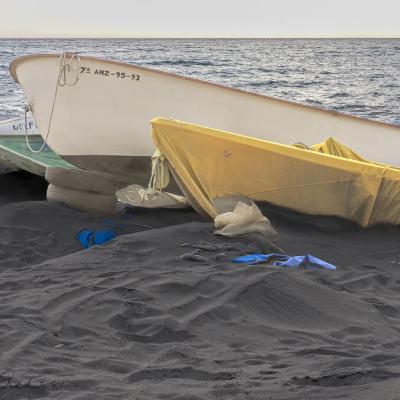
[[89, 181], [244, 219], [82, 200]]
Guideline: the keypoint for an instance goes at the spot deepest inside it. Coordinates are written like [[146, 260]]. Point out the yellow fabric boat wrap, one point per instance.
[[334, 148], [210, 163]]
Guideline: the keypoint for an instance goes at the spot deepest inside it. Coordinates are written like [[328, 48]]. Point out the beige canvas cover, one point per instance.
[[210, 163]]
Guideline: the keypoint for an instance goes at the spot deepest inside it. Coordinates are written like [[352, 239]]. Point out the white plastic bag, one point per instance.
[[138, 196], [244, 219]]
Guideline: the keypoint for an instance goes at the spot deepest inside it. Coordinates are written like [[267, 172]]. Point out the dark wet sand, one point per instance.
[[162, 313]]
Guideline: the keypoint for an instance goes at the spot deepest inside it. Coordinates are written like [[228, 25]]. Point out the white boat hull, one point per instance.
[[16, 126], [102, 122]]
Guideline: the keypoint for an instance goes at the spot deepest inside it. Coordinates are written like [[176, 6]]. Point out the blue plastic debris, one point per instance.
[[251, 259], [100, 233], [283, 260], [90, 237]]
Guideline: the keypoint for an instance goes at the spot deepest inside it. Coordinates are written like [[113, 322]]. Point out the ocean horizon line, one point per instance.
[[202, 38]]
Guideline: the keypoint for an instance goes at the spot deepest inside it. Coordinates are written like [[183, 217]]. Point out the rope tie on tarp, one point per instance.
[[159, 178]]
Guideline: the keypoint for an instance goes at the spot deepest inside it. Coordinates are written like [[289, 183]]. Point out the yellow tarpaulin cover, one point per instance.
[[210, 163], [334, 148]]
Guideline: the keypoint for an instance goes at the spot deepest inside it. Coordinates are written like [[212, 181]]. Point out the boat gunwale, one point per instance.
[[13, 65]]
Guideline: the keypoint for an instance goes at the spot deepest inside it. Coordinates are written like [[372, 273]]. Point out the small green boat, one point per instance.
[[15, 154]]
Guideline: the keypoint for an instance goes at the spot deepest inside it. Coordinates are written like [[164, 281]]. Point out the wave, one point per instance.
[[184, 63]]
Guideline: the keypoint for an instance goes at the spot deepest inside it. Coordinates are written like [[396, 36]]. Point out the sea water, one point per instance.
[[354, 76]]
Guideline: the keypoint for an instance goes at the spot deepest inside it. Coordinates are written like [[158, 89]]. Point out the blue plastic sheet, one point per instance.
[[284, 260]]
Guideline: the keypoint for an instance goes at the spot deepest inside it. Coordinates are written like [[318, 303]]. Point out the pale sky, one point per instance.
[[200, 18]]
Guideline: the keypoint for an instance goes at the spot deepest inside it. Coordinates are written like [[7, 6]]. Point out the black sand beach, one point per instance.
[[162, 313]]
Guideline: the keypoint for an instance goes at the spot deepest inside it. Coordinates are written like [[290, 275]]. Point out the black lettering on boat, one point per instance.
[[105, 72]]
